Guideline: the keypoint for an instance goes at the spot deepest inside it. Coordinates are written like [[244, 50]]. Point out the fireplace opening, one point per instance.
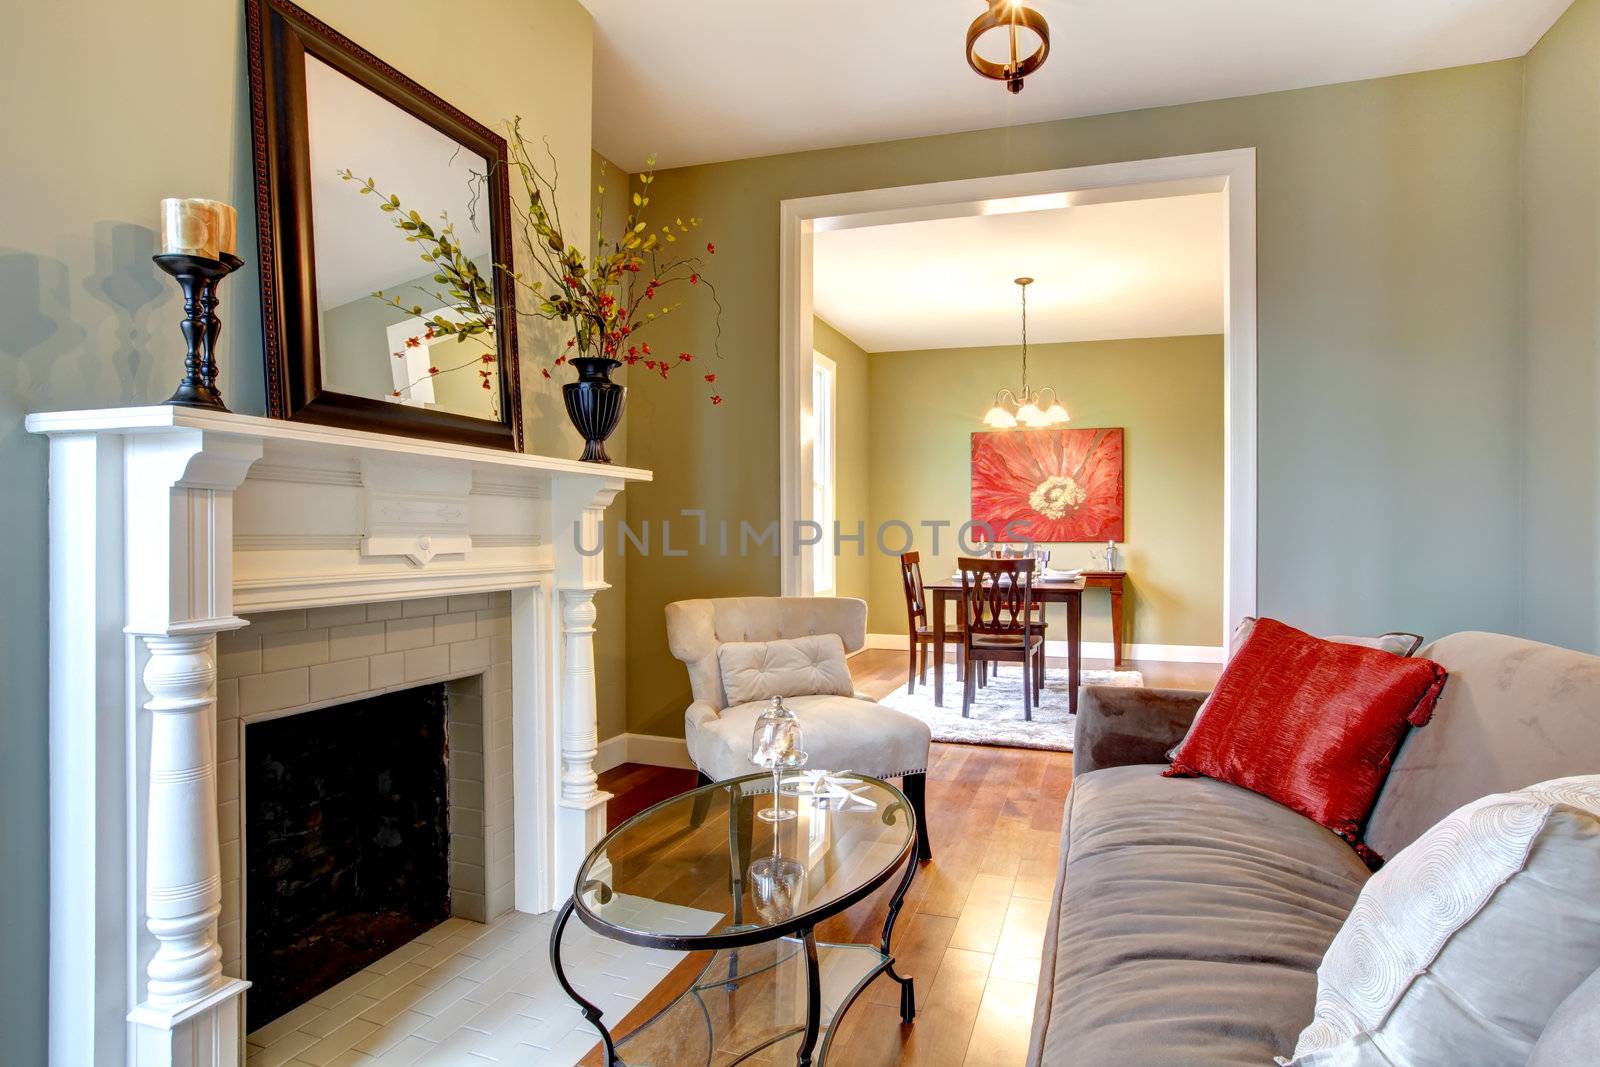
[[347, 841]]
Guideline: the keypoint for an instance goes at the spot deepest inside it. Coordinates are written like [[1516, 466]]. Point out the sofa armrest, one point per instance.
[[1119, 726]]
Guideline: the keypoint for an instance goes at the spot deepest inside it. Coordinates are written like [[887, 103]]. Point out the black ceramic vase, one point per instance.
[[594, 404]]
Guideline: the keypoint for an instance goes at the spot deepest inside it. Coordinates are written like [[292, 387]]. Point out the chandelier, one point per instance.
[[1011, 16], [1027, 408]]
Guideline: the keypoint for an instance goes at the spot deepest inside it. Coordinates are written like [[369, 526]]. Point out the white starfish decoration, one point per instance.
[[831, 786]]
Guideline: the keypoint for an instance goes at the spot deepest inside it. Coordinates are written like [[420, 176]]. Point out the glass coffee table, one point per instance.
[[702, 872]]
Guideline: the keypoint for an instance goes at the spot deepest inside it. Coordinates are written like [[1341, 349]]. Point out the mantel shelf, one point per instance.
[[163, 417]]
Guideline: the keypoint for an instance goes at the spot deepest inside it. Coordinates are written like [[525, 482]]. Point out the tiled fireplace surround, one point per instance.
[[207, 567], [287, 662]]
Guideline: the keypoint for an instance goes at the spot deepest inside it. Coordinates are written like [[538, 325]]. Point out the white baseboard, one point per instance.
[[643, 748], [1094, 650]]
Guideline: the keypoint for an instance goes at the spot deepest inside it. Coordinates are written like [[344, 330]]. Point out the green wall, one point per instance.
[[1389, 234], [103, 120], [1166, 393], [852, 500], [1560, 553], [610, 605]]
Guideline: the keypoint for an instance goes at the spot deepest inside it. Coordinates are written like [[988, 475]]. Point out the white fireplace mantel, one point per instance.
[[166, 523]]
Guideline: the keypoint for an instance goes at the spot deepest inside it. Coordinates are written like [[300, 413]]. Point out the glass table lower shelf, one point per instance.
[[749, 1007]]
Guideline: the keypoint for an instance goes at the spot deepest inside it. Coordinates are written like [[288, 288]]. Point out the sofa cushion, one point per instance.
[[813, 665], [839, 734], [1464, 946], [1190, 915], [1514, 713], [1574, 1030]]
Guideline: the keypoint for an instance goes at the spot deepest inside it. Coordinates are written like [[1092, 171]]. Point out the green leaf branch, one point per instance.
[[605, 297]]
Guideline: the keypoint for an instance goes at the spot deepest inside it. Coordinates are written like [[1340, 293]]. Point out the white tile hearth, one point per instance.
[[470, 994]]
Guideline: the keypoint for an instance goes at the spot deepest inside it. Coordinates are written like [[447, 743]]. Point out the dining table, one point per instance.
[[1045, 591]]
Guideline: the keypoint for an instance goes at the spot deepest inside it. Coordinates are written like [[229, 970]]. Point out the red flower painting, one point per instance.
[[1048, 485]]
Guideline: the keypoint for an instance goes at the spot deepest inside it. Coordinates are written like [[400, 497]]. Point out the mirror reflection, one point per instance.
[[369, 347]]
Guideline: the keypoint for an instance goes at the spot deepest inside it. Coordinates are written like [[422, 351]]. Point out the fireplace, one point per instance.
[[210, 570], [348, 848]]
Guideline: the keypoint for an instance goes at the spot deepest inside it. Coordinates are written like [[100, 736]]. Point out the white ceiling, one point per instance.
[[712, 80], [1138, 268], [358, 249]]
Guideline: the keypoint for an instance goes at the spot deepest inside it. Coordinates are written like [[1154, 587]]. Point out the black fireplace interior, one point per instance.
[[346, 841]]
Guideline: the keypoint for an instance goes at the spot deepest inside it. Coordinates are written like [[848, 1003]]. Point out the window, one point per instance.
[[824, 401]]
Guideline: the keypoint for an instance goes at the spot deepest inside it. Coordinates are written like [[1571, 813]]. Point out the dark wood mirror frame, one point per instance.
[[280, 36]]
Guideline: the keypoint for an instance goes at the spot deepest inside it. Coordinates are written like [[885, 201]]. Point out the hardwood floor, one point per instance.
[[973, 922]]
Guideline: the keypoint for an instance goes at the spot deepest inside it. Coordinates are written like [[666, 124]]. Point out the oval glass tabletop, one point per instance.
[[702, 870]]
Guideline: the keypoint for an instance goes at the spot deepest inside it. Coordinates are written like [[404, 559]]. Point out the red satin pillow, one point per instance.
[[1311, 724]]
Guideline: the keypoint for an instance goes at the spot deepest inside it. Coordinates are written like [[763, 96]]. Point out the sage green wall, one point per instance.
[[1166, 393], [610, 605], [1560, 554], [851, 499], [103, 120], [1389, 229]]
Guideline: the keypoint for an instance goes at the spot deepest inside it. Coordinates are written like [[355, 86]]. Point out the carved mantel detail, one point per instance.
[[166, 523]]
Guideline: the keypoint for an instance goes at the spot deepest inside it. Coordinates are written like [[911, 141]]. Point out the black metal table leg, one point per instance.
[[813, 1001], [590, 1012], [908, 992]]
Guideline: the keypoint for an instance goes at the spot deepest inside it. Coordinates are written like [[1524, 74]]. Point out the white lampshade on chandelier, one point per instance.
[[1026, 408]]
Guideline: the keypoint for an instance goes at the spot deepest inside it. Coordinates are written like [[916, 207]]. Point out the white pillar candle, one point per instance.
[[198, 227]]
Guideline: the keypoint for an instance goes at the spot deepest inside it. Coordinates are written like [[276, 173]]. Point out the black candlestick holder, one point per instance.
[[199, 277]]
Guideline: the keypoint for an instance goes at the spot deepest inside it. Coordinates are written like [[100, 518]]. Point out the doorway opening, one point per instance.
[[807, 496]]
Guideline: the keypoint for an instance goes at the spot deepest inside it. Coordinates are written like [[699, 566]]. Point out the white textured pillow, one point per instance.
[[1398, 642], [1465, 944], [795, 667]]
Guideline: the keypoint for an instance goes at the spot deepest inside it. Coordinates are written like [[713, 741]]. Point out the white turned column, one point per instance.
[[183, 873], [577, 507], [580, 741], [178, 562], [581, 809]]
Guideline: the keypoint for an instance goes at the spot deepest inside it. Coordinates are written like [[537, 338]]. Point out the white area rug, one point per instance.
[[996, 714]]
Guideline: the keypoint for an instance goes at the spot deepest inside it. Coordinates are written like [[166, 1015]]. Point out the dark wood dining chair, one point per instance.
[[999, 624], [919, 631]]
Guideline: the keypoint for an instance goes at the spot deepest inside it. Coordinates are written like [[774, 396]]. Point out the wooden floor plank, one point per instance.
[[1005, 1018]]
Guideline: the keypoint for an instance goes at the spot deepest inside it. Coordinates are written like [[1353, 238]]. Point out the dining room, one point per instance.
[[1016, 450]]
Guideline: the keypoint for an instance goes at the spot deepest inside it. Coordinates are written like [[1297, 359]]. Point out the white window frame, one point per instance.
[[824, 471]]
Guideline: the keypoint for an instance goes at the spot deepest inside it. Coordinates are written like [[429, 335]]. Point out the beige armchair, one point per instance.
[[841, 732]]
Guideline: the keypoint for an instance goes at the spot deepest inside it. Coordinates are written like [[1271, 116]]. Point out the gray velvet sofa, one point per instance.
[[1190, 916]]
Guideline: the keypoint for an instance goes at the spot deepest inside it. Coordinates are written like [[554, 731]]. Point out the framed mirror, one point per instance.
[[329, 119]]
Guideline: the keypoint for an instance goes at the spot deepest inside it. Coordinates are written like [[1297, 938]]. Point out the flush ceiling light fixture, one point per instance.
[[1026, 407], [1014, 19]]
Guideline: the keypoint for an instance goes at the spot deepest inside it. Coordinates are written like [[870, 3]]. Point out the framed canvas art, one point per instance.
[[1048, 485]]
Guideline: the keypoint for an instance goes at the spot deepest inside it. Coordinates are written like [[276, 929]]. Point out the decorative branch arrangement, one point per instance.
[[606, 297]]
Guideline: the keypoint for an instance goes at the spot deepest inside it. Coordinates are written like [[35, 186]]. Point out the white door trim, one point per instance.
[[1231, 172]]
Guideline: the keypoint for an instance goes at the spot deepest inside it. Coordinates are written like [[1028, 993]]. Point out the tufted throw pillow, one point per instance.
[[1463, 947], [795, 667]]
